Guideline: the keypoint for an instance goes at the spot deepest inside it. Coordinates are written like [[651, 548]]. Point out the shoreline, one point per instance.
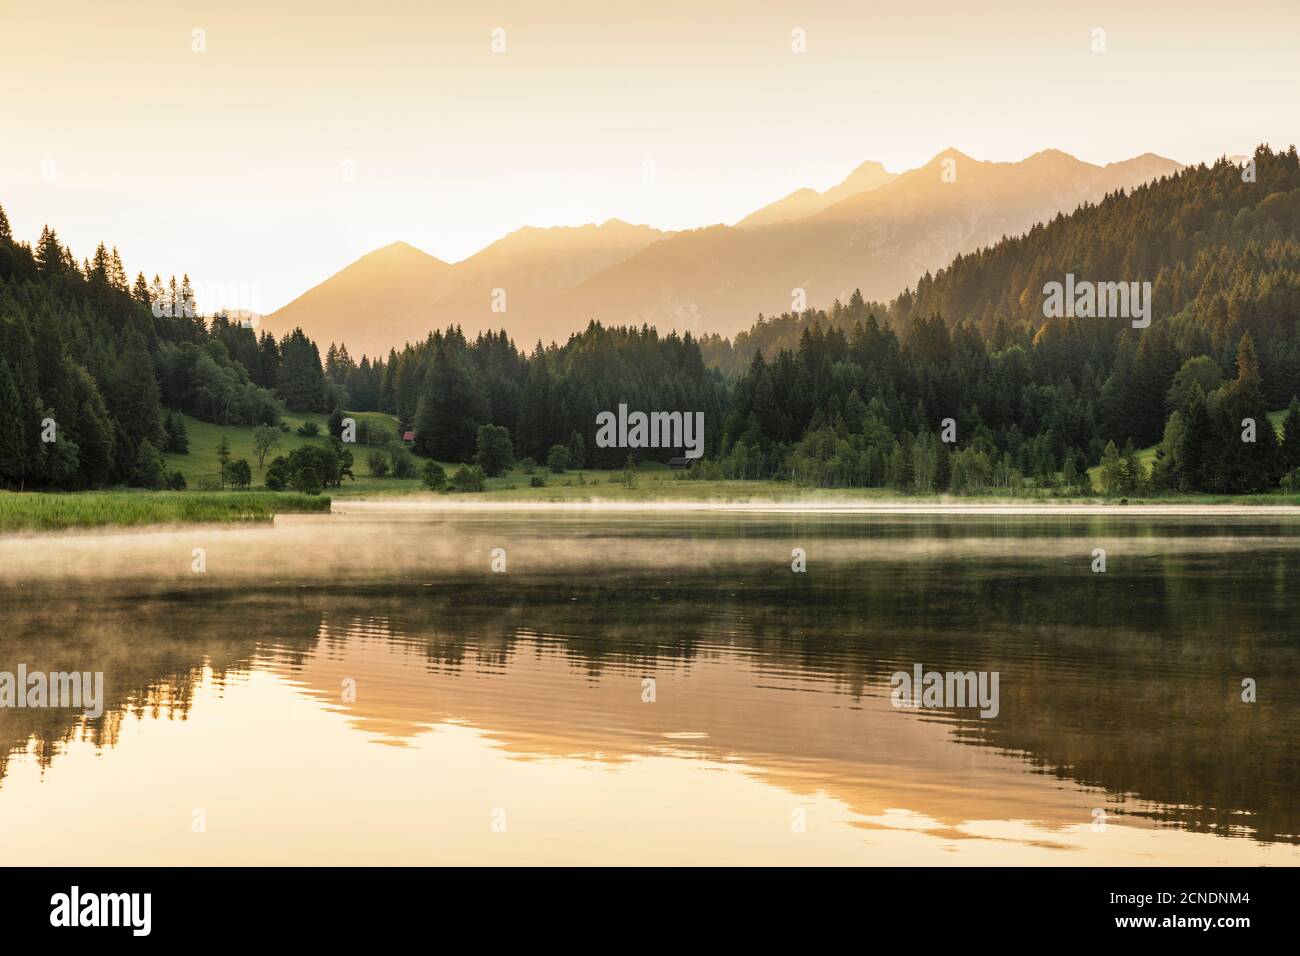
[[380, 505], [234, 509]]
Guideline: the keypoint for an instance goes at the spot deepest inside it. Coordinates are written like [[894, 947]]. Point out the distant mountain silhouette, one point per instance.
[[377, 301], [881, 241], [805, 202], [875, 231], [398, 293]]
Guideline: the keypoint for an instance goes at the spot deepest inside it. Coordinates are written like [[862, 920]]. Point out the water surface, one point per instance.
[[502, 718]]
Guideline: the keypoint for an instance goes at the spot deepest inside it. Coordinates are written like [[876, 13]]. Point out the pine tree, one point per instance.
[[1112, 470], [158, 297], [13, 453], [1290, 453], [134, 398], [1130, 470], [117, 272], [943, 468], [1196, 466], [451, 409], [267, 371], [300, 381], [536, 420], [223, 458], [89, 427], [49, 254], [1250, 466], [98, 270]]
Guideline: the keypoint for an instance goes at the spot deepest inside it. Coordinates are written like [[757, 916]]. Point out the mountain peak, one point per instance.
[[1056, 154], [952, 152], [869, 171], [398, 250], [1146, 161], [806, 202]]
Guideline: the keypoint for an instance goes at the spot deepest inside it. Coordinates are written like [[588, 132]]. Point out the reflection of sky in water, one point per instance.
[[771, 738]]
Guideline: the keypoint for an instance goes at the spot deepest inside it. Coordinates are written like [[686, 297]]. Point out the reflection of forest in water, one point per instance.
[[1130, 683]]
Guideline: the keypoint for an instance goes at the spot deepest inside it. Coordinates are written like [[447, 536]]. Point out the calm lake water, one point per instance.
[[363, 689]]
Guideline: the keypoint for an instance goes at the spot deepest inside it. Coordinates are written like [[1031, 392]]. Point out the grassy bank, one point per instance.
[[91, 509], [201, 462]]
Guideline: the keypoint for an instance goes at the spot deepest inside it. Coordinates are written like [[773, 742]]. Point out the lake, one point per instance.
[[658, 687]]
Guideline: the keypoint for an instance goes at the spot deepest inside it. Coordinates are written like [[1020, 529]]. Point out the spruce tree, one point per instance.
[[300, 382], [49, 254], [452, 407], [1251, 466], [1197, 462], [1290, 452], [13, 453]]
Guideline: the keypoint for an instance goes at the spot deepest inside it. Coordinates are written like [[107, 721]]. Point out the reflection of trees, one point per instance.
[[152, 651], [1127, 681]]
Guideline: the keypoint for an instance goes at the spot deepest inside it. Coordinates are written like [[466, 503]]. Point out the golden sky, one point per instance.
[[306, 134]]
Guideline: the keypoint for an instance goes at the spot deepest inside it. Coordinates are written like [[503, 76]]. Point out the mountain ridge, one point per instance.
[[542, 283]]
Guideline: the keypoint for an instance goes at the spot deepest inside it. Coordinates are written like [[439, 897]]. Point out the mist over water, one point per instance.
[[519, 696]]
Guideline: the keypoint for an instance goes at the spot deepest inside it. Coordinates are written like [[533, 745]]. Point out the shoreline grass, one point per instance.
[[40, 511], [659, 485], [652, 486], [36, 512]]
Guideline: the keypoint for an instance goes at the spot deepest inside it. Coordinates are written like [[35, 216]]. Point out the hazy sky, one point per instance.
[[233, 163]]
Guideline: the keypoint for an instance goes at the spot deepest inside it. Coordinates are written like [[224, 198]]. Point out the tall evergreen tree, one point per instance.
[[1290, 452], [13, 451], [49, 254], [300, 381], [452, 407]]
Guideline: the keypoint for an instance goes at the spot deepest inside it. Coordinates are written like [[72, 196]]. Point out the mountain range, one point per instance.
[[875, 231]]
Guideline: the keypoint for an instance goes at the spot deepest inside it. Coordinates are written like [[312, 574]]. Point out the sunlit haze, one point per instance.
[[304, 135]]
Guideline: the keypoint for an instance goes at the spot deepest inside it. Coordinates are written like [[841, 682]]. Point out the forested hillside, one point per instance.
[[92, 366], [89, 369], [860, 398]]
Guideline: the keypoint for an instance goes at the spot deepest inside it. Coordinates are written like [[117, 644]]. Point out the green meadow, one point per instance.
[[200, 465]]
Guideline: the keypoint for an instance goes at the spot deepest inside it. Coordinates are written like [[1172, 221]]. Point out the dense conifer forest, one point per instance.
[[855, 395]]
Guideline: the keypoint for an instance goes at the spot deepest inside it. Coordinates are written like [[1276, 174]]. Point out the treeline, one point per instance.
[[772, 334], [90, 366], [869, 410], [447, 387], [860, 399]]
